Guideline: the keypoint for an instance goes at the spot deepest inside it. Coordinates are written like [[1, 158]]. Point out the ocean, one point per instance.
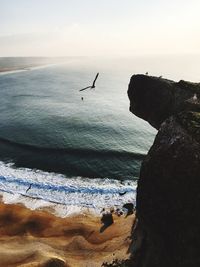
[[71, 147]]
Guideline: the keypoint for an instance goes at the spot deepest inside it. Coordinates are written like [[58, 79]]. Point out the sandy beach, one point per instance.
[[37, 237]]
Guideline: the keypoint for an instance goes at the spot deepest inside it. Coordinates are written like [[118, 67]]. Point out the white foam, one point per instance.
[[64, 195]]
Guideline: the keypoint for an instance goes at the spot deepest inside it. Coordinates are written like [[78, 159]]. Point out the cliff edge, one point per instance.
[[168, 194]]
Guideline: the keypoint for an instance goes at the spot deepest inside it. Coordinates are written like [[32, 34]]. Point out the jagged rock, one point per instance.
[[107, 219], [129, 207], [155, 99], [168, 192]]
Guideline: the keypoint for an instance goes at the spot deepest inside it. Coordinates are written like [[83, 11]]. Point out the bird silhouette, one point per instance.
[[93, 84]]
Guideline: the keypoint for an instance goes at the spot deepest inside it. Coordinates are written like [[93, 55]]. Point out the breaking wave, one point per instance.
[[56, 188]]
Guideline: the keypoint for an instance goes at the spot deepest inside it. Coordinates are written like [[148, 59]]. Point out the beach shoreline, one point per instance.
[[11, 69], [20, 68], [23, 68]]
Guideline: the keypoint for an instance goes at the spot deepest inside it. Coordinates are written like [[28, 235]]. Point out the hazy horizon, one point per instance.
[[108, 28]]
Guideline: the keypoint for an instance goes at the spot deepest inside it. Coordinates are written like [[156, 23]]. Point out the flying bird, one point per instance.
[[93, 84]]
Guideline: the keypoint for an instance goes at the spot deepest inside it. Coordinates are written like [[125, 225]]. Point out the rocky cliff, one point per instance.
[[168, 194]]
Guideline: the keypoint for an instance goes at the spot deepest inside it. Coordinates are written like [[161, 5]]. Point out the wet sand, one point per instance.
[[31, 238]]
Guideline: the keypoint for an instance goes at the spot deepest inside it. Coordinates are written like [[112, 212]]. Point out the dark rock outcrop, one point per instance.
[[155, 99], [129, 207], [168, 193], [106, 220]]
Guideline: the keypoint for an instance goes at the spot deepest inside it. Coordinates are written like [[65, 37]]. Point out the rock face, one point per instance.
[[155, 99], [168, 193]]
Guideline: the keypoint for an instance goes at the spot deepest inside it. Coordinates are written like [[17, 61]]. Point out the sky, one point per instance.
[[99, 28]]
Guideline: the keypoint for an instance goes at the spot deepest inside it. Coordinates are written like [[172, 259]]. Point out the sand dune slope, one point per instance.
[[38, 238]]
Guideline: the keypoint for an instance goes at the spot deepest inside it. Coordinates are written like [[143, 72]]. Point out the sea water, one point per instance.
[[73, 148]]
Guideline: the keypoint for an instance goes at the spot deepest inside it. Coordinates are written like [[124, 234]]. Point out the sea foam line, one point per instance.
[[56, 188], [67, 189]]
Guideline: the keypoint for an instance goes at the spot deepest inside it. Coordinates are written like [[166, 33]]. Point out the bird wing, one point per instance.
[[85, 88], [95, 79]]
